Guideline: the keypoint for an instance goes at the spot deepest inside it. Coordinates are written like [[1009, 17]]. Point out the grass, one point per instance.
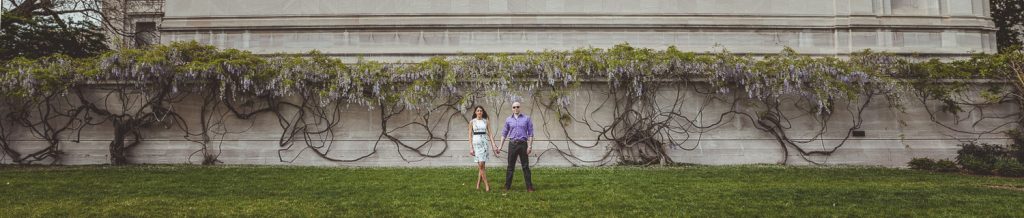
[[757, 190]]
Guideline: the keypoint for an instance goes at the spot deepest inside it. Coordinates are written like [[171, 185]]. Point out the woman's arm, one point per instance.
[[472, 152], [491, 137]]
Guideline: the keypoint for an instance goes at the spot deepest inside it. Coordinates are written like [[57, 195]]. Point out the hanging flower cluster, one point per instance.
[[193, 67]]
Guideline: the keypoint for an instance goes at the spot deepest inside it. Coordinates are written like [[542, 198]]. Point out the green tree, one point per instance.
[[1009, 18], [43, 36], [34, 28]]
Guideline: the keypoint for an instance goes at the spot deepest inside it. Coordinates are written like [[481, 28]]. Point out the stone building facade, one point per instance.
[[413, 29], [410, 30]]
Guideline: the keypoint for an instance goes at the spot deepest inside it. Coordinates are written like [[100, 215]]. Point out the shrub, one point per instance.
[[1008, 167], [1017, 148], [980, 158], [988, 152], [933, 165], [1017, 152], [975, 165], [945, 166], [922, 164]]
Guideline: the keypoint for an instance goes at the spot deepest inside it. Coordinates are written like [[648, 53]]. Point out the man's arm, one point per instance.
[[529, 136], [504, 134], [504, 130]]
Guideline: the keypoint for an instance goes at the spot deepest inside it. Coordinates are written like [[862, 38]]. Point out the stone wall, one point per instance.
[[411, 30], [891, 138], [414, 29]]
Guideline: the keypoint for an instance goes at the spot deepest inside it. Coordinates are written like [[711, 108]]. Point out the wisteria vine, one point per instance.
[[639, 103]]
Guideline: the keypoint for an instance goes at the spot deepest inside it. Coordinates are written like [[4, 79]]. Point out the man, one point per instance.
[[519, 130]]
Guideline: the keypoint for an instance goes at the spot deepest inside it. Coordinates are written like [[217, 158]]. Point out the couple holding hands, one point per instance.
[[518, 129]]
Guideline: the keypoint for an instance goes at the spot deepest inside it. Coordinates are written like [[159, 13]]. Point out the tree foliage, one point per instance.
[[77, 28], [1009, 18], [42, 36]]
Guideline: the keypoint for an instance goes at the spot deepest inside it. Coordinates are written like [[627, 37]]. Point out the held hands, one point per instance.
[[502, 144], [495, 148]]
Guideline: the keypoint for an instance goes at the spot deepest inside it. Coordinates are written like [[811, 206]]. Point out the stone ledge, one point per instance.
[[627, 22], [193, 8]]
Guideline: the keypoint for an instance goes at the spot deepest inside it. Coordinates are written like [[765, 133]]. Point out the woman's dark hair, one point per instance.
[[473, 114]]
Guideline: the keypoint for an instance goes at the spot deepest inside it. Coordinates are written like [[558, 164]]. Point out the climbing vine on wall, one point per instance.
[[638, 102]]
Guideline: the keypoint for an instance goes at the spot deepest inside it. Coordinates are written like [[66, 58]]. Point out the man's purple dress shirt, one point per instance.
[[518, 128]]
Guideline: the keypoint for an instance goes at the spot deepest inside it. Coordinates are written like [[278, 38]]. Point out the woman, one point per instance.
[[480, 139]]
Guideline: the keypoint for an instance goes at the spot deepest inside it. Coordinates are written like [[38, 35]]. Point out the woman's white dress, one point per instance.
[[480, 143]]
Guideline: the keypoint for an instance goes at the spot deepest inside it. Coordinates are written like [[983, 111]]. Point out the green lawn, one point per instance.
[[579, 192]]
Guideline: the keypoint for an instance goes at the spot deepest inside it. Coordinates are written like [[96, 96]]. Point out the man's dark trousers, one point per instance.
[[517, 150]]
